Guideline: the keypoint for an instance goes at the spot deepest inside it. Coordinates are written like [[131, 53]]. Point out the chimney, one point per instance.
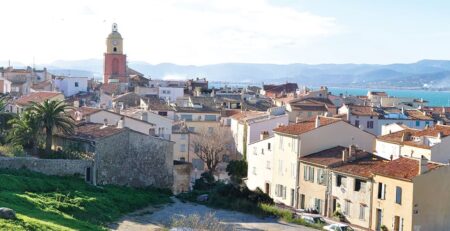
[[297, 119], [120, 123], [352, 152], [264, 135], [345, 155], [144, 116], [317, 122], [423, 162], [440, 135], [403, 110]]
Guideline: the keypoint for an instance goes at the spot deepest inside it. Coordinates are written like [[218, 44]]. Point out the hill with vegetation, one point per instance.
[[68, 203]]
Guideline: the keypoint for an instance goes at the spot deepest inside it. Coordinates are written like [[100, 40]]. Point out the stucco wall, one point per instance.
[[60, 167], [135, 159], [312, 190], [182, 177], [260, 166], [432, 200]]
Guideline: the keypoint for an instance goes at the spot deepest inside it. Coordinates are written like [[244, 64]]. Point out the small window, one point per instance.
[[362, 212], [417, 123], [381, 191], [347, 207], [341, 181], [398, 195], [357, 123], [182, 147], [183, 136], [268, 146], [76, 84], [115, 49], [359, 184], [191, 129], [370, 124]]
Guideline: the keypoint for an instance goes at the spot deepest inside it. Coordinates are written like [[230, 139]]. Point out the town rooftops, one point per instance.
[[403, 168], [110, 88], [362, 167], [305, 126], [230, 112], [78, 113], [405, 137], [287, 87], [36, 97], [363, 110], [378, 93], [92, 131], [180, 128], [156, 104], [248, 115], [417, 115]]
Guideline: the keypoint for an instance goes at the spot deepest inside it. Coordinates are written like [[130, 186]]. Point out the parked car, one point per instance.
[[313, 219], [338, 227]]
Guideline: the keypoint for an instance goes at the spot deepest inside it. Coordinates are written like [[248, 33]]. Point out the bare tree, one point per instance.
[[210, 145]]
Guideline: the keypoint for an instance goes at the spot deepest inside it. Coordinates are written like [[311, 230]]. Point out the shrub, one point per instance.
[[205, 182], [12, 150], [237, 169]]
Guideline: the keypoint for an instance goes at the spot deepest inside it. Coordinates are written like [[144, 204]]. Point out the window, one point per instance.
[[398, 195], [341, 181], [308, 173], [417, 123], [280, 191], [309, 114], [369, 124], [318, 205], [362, 212], [427, 123], [381, 191], [162, 113], [183, 136], [347, 207], [268, 146], [191, 129], [280, 167], [210, 117], [186, 117], [76, 84], [320, 176], [357, 123], [360, 185], [262, 150], [293, 170], [198, 164], [210, 130], [268, 165], [182, 147]]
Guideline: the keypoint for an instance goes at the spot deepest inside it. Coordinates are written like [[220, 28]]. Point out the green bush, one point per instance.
[[205, 182], [237, 169], [12, 150]]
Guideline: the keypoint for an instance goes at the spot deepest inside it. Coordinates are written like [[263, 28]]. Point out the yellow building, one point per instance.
[[411, 194]]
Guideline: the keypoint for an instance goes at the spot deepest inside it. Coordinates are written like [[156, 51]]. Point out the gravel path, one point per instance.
[[154, 218]]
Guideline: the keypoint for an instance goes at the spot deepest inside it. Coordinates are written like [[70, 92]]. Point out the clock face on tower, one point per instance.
[[114, 42]]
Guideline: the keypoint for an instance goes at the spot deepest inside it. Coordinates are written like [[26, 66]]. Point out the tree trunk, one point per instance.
[[48, 141]]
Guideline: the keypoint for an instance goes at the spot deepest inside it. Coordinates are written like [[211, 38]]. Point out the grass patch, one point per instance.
[[68, 203]]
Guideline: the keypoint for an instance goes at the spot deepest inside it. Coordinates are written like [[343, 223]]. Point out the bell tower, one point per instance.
[[115, 62]]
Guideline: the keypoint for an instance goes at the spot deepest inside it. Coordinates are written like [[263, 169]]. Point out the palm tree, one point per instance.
[[24, 130], [52, 116]]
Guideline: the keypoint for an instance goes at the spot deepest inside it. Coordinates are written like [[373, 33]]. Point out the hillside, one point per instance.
[[67, 203], [425, 73]]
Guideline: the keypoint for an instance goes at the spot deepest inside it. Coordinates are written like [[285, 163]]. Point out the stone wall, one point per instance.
[[60, 167], [181, 176], [134, 159]]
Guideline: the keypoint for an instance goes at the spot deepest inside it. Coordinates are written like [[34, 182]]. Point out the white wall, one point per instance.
[[386, 149], [260, 165], [113, 118], [170, 93], [161, 124], [71, 85]]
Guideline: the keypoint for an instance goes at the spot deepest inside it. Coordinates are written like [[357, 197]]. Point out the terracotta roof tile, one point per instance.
[[363, 167], [37, 97], [363, 110], [402, 168], [396, 137], [305, 126], [417, 115], [94, 131]]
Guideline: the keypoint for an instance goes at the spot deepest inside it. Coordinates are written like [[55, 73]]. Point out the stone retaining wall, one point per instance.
[[60, 167]]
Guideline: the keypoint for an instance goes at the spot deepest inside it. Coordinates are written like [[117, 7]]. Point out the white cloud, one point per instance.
[[185, 32]]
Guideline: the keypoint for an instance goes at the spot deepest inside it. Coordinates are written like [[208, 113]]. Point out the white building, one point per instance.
[[170, 93], [247, 126], [431, 143], [260, 164], [71, 85], [296, 140]]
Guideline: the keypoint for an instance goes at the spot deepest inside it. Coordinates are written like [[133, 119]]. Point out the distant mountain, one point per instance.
[[425, 73]]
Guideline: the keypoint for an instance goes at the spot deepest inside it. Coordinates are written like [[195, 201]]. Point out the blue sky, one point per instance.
[[205, 32]]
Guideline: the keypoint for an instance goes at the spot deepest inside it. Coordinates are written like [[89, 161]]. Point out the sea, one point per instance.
[[434, 98]]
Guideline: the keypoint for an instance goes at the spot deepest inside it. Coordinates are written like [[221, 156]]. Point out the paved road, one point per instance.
[[155, 218]]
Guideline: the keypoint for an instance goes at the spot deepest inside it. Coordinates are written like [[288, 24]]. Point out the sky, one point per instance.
[[199, 32]]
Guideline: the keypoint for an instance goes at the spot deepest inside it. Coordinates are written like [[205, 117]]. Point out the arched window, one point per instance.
[[115, 49], [115, 66]]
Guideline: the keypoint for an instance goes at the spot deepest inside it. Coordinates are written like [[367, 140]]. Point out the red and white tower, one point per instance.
[[115, 66]]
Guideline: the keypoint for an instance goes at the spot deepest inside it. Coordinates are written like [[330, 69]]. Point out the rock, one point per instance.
[[202, 198], [7, 213]]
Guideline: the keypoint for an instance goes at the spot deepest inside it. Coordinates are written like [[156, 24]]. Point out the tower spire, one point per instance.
[[114, 27]]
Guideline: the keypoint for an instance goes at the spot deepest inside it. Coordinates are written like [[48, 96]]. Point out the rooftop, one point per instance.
[[305, 126], [403, 168], [36, 97], [92, 131]]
